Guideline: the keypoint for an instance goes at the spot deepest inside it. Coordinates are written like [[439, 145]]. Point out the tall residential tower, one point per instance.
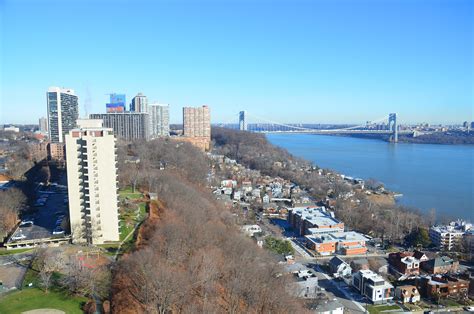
[[62, 112], [139, 103], [159, 120], [92, 183]]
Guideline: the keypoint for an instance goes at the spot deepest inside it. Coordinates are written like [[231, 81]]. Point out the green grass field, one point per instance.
[[128, 193], [374, 309], [9, 252], [33, 298]]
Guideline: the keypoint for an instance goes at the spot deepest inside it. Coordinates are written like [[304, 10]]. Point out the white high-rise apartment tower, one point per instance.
[[159, 120], [62, 112], [92, 183]]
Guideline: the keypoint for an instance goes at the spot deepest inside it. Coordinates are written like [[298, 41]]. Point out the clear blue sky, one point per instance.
[[291, 61]]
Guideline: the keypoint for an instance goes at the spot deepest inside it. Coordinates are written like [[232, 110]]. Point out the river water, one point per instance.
[[428, 176]]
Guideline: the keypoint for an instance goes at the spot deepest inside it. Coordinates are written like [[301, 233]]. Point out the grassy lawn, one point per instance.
[[33, 298], [128, 219], [10, 252], [380, 308], [128, 193]]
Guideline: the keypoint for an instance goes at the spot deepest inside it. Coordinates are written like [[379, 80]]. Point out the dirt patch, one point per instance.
[[44, 311], [383, 199]]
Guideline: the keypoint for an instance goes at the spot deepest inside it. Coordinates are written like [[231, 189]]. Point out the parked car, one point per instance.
[[26, 223], [58, 231], [18, 236]]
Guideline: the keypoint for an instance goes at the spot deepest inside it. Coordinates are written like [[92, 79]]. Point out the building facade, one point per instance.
[[407, 294], [139, 103], [197, 124], [117, 103], [62, 112], [127, 125], [159, 120], [92, 183], [43, 125], [373, 286], [447, 237]]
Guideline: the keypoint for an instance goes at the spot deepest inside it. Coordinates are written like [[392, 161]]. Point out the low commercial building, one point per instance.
[[442, 286], [407, 294], [373, 286], [346, 243], [313, 220]]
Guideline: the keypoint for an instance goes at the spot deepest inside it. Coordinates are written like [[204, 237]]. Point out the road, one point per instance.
[[336, 290]]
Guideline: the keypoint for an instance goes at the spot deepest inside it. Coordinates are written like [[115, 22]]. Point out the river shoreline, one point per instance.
[[426, 175]]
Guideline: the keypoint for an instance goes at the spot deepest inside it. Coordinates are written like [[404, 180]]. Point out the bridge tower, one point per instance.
[[392, 125], [243, 121]]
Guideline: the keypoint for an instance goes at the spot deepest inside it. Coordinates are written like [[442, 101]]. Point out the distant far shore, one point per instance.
[[451, 138]]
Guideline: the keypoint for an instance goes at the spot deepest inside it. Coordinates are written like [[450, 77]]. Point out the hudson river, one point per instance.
[[428, 176]]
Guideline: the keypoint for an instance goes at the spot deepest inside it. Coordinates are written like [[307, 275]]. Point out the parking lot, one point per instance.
[[48, 215]]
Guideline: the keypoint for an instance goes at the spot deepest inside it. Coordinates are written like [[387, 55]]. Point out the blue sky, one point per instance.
[[291, 61]]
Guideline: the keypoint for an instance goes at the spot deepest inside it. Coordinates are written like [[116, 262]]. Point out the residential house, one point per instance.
[[373, 286], [407, 294], [339, 268], [442, 286], [403, 264], [440, 265]]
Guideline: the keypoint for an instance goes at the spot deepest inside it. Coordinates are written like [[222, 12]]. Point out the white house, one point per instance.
[[339, 268], [373, 286]]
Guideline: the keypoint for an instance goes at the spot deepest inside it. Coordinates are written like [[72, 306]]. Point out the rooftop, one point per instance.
[[317, 216], [346, 236]]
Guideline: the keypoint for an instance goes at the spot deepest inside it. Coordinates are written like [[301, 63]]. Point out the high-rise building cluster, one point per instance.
[[89, 148]]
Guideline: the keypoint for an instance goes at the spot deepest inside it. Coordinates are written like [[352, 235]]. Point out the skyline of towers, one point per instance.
[[92, 183], [63, 111]]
